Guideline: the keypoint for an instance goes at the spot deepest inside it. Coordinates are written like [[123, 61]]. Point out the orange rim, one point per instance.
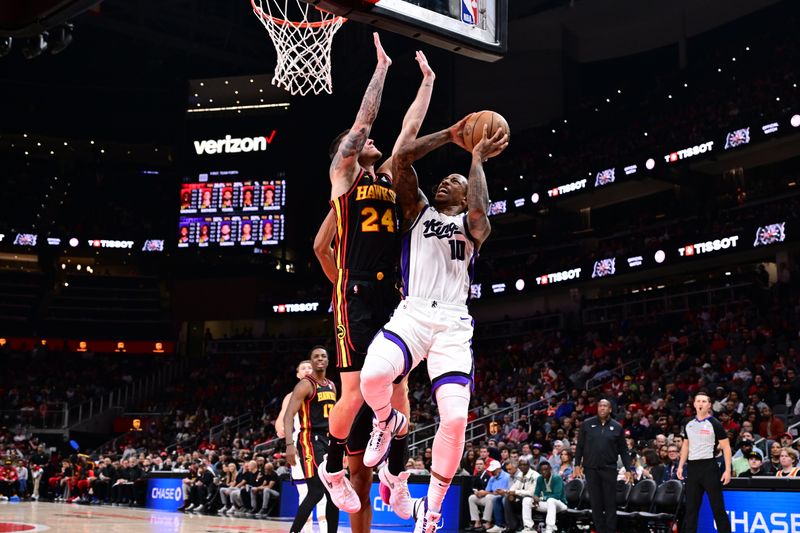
[[282, 22]]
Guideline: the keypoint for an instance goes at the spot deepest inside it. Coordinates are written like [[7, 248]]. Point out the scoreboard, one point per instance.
[[235, 213]]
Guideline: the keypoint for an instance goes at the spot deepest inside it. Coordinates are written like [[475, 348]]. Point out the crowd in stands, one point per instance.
[[30, 397], [746, 355]]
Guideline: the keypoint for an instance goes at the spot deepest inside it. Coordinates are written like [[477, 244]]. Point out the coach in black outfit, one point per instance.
[[702, 436], [600, 441]]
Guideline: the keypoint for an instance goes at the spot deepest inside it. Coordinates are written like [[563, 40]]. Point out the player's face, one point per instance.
[[370, 153], [246, 229], [204, 231], [452, 191], [206, 197], [267, 231], [248, 197], [226, 230], [319, 359], [604, 408], [184, 231]]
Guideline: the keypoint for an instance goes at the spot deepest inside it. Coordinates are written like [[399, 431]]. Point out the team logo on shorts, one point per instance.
[[340, 332]]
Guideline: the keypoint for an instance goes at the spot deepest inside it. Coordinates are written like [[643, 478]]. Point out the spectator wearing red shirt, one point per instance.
[[771, 427], [9, 481]]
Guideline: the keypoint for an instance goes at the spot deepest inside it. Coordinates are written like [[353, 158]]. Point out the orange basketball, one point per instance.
[[473, 130]]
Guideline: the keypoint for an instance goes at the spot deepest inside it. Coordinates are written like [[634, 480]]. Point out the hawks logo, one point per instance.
[[340, 332]]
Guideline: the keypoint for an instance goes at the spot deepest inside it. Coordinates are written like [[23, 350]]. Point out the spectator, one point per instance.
[[9, 482], [755, 464], [267, 489], [771, 427], [548, 497], [741, 461], [522, 487], [788, 459], [485, 499], [234, 482], [198, 490], [565, 468]]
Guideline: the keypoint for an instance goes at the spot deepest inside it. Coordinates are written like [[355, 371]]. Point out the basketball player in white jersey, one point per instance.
[[439, 246], [298, 477]]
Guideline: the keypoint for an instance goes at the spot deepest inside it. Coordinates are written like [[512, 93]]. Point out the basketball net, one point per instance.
[[303, 44]]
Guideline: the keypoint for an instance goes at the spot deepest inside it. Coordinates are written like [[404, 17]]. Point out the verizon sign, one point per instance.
[[233, 145]]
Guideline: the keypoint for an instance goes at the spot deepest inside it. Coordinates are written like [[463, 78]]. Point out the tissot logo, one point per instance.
[[232, 145]]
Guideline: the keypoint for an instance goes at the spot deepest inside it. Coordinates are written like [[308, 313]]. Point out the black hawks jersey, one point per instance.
[[314, 411], [366, 226]]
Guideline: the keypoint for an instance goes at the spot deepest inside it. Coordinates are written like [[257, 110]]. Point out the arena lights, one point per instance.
[[770, 234], [635, 261], [74, 242], [558, 277], [660, 256], [568, 188], [307, 307], [103, 243], [737, 138], [708, 246], [535, 198], [770, 128], [233, 145], [604, 267], [475, 291], [692, 151], [520, 284], [795, 121], [25, 239], [498, 288]]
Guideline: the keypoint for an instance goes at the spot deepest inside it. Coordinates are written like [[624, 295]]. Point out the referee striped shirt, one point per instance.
[[704, 436]]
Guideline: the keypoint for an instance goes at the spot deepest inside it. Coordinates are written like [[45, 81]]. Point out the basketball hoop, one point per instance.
[[302, 36]]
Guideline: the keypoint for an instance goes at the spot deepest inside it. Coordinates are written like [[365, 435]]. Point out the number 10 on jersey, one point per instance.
[[457, 249]]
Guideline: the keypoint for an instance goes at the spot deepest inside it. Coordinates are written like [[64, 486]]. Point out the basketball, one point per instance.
[[473, 130]]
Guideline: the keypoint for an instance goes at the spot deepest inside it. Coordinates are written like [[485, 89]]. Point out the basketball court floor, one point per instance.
[[41, 516]]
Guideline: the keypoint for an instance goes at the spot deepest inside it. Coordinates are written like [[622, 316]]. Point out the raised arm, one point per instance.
[[406, 184], [345, 162], [477, 191], [415, 115], [301, 391], [322, 246]]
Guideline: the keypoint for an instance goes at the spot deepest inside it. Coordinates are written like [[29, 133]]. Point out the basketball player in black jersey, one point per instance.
[[312, 400], [361, 265]]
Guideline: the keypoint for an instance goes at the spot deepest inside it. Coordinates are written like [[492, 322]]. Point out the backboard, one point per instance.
[[474, 28]]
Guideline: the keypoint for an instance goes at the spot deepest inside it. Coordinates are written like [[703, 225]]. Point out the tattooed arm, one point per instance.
[[344, 166], [477, 191], [412, 122]]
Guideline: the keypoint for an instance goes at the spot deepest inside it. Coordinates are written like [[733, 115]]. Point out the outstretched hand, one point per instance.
[[457, 131], [383, 59], [490, 145], [427, 71]]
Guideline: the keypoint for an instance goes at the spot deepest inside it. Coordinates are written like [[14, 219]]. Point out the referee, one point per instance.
[[702, 436], [600, 441]]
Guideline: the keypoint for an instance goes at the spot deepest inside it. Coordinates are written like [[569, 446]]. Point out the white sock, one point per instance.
[[448, 445]]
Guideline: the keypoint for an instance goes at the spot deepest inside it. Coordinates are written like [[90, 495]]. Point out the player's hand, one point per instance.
[[577, 472], [726, 477], [490, 145], [679, 473], [427, 71], [383, 59], [291, 454], [457, 131]]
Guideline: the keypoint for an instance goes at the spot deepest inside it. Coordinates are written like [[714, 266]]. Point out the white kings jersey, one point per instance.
[[437, 258]]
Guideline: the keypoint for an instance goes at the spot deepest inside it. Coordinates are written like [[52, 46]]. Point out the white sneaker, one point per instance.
[[189, 507], [199, 508], [381, 437], [427, 521], [495, 529], [339, 488], [399, 499]]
